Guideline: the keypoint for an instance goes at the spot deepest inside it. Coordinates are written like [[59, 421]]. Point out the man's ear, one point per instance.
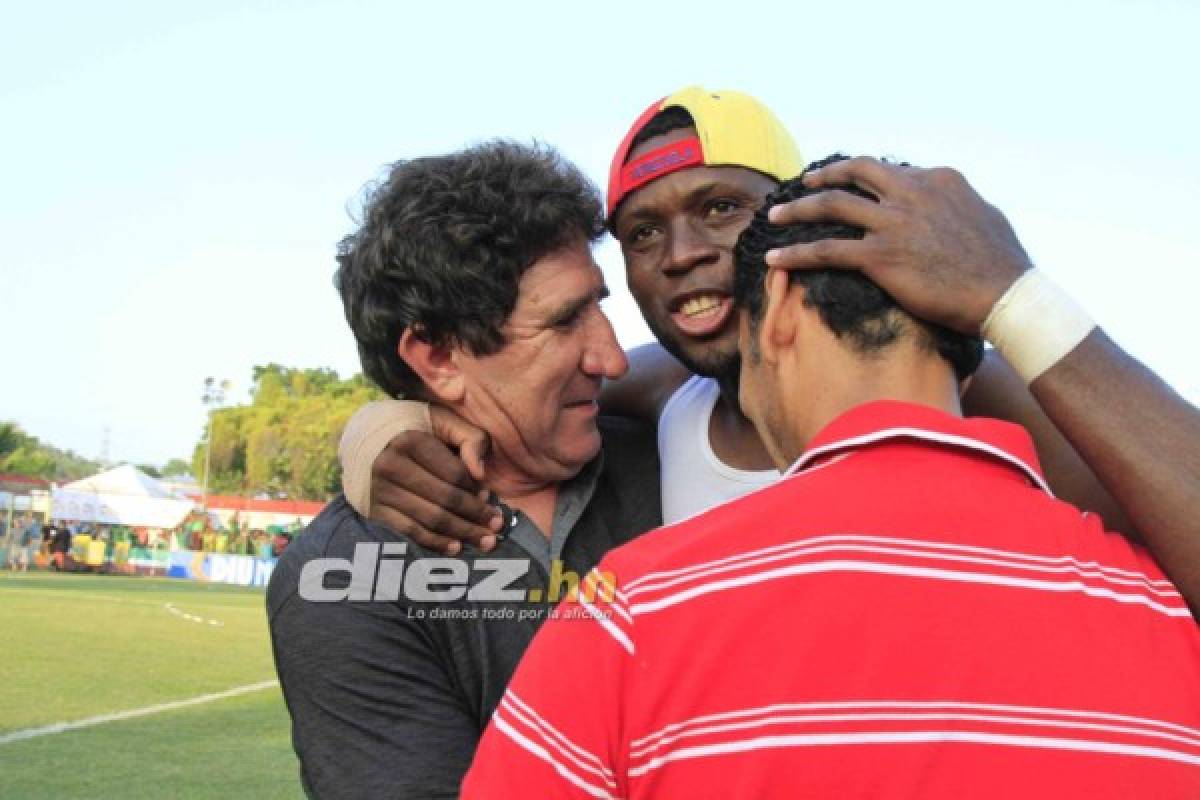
[[778, 329], [434, 365]]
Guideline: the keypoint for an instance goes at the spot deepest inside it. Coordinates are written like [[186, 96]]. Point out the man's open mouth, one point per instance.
[[701, 313]]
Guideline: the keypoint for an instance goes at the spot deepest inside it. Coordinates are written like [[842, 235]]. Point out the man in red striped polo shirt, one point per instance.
[[908, 613]]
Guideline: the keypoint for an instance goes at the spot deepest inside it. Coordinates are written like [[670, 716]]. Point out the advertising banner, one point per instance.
[[221, 568]]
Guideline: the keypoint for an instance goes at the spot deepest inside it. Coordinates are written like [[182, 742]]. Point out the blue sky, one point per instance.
[[174, 177]]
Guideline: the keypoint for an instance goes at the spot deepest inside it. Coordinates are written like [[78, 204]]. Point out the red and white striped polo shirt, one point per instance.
[[907, 613]]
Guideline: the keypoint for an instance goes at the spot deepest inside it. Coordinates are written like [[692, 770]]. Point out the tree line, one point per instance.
[[24, 454], [284, 443]]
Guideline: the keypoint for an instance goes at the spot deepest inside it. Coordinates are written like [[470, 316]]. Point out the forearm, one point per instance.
[[1143, 442], [366, 435], [1140, 438], [653, 376]]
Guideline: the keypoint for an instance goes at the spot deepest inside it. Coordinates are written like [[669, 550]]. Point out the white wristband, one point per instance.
[[1035, 324], [365, 436]]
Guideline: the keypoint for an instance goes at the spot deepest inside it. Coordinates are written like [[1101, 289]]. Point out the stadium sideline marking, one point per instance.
[[62, 727], [192, 617]]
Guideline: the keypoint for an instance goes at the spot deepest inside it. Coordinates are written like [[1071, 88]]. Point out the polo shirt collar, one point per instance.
[[574, 495], [889, 420]]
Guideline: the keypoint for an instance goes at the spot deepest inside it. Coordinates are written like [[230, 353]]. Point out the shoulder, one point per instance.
[[694, 387], [691, 401], [630, 473], [621, 433], [629, 445], [336, 533], [327, 535]]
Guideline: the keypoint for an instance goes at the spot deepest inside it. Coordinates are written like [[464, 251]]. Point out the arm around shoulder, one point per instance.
[[1142, 440], [654, 375]]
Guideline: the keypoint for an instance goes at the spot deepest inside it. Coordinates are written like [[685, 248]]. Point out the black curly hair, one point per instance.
[[853, 306], [444, 242]]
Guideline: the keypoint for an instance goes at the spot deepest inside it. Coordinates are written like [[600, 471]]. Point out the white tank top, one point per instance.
[[693, 478]]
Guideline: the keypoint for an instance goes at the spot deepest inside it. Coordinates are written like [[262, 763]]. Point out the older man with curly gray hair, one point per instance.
[[470, 283]]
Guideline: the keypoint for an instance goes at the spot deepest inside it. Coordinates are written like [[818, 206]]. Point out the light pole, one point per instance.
[[213, 398]]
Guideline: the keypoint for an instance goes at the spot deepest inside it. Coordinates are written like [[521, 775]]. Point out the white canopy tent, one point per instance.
[[121, 496]]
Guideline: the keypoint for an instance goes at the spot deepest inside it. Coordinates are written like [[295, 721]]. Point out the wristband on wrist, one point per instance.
[[1035, 324], [365, 436]]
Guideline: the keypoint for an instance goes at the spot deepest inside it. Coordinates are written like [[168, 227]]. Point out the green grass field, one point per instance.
[[79, 646]]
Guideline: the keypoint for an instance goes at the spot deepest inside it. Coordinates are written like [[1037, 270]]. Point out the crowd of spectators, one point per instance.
[[55, 544]]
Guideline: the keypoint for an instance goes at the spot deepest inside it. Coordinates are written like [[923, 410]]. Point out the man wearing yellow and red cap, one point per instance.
[[683, 184]]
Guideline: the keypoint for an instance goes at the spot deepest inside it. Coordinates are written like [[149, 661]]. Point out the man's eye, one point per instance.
[[723, 206], [640, 234], [567, 322]]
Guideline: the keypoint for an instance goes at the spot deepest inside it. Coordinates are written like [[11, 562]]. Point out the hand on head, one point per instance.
[[931, 241]]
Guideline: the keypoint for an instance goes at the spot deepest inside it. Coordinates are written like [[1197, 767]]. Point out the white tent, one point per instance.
[[121, 496]]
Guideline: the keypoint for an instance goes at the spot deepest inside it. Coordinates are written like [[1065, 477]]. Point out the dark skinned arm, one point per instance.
[[641, 393], [947, 256], [1142, 439]]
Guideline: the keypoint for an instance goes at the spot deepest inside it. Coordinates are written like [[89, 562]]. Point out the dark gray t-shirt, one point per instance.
[[389, 697]]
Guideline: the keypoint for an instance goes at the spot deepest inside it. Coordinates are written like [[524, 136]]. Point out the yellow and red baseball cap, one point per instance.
[[732, 130]]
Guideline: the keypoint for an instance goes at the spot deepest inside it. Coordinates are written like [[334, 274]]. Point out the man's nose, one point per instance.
[[689, 246], [602, 355]]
